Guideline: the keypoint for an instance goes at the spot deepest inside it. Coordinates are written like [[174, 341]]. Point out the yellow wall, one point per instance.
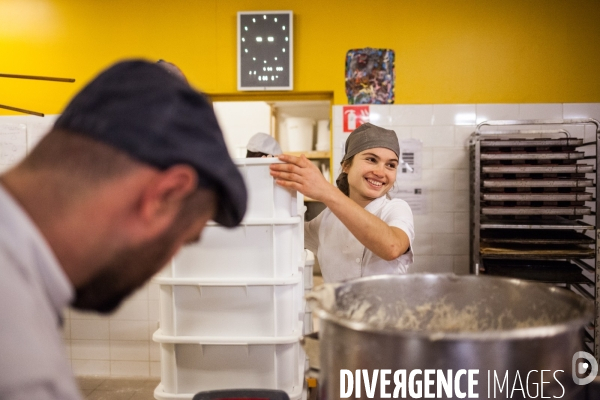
[[460, 51]]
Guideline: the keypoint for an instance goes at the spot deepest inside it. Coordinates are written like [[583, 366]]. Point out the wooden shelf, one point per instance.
[[310, 154]]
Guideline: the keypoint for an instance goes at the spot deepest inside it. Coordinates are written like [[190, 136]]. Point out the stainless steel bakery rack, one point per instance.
[[534, 206]]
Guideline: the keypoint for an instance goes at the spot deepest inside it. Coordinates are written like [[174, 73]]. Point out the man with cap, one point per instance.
[[134, 168], [362, 231], [262, 145]]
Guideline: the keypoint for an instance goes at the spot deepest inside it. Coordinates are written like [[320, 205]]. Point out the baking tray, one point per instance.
[[535, 270], [538, 169], [546, 182], [582, 196], [533, 156], [539, 222], [531, 142], [522, 210], [534, 236], [537, 252]]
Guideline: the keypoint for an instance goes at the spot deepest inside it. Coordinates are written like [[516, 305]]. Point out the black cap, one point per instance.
[[139, 108]]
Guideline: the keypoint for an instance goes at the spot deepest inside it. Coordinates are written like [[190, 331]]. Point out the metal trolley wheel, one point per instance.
[[242, 394]]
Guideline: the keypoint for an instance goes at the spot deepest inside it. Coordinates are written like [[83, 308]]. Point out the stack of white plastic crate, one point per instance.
[[232, 305], [308, 285]]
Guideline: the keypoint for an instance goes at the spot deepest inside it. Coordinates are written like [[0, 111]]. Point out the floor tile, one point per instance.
[[89, 383]]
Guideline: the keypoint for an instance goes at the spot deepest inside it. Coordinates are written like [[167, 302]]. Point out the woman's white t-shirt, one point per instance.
[[341, 256]]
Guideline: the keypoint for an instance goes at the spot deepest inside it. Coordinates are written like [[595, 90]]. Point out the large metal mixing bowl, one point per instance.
[[494, 325]]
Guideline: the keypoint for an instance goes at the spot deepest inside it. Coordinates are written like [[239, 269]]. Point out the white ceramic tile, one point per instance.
[[155, 369], [432, 264], [379, 114], [541, 111], [132, 310], [581, 110], [129, 350], [89, 329], [153, 310], [91, 367], [337, 159], [434, 223], [461, 222], [423, 244], [438, 179], [411, 114], [462, 134], [153, 291], [451, 244], [434, 136], [77, 314], [140, 294], [488, 112], [402, 132], [450, 158], [151, 328], [90, 350], [461, 179], [338, 116], [461, 265], [154, 351], [128, 330], [129, 368], [461, 201], [454, 114], [427, 158], [442, 200]]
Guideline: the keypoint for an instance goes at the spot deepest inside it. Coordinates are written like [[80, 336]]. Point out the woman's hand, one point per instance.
[[302, 175]]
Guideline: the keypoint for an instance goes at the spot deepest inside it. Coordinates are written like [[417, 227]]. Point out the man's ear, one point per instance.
[[163, 196]]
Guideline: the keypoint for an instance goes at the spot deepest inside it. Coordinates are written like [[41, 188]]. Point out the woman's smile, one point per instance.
[[375, 183]]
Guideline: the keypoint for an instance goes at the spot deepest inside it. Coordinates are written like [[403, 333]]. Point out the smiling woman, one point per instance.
[[362, 231]]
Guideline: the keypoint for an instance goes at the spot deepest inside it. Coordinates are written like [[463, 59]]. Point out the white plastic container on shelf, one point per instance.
[[266, 199], [189, 366], [258, 249], [323, 139], [299, 133], [216, 310]]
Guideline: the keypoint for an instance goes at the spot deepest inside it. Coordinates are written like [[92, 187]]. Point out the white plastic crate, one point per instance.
[[266, 199], [309, 264], [160, 394], [191, 367], [226, 309], [253, 250]]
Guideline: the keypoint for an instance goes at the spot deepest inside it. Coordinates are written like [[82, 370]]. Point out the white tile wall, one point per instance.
[[540, 111], [410, 115], [488, 112], [581, 110], [454, 114], [121, 344]]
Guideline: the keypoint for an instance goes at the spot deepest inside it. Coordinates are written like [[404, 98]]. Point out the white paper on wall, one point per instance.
[[35, 132], [411, 160], [13, 143], [413, 195]]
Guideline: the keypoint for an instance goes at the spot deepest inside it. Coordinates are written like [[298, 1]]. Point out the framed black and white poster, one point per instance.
[[265, 50]]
